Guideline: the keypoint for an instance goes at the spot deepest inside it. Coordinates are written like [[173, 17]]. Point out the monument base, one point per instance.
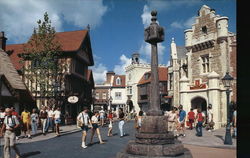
[[154, 141]]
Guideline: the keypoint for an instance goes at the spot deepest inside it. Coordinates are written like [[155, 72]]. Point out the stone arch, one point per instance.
[[199, 102]]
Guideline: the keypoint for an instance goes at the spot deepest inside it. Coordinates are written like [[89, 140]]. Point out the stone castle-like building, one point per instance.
[[196, 70]]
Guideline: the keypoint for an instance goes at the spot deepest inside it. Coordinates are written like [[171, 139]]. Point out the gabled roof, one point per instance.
[[9, 71], [123, 81], [70, 41], [17, 49], [90, 78], [162, 72]]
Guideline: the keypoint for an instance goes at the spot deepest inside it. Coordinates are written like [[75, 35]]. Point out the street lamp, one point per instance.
[[227, 81], [110, 102]]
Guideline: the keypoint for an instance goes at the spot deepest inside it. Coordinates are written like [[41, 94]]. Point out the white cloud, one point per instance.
[[124, 61], [146, 16], [99, 73], [18, 18], [145, 50], [183, 24]]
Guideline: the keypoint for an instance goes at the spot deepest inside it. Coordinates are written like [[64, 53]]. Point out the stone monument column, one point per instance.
[[154, 139]]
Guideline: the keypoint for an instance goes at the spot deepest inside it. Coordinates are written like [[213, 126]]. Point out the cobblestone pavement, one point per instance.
[[210, 139], [68, 145]]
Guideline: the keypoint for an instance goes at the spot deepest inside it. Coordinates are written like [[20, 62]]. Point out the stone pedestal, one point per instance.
[[154, 140]]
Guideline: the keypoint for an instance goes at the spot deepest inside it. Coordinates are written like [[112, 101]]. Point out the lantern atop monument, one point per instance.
[[154, 33]]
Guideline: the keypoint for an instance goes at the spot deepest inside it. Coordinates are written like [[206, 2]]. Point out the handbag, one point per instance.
[[211, 124]]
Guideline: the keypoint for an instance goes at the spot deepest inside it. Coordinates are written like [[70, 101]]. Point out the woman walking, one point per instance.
[[121, 122], [57, 117], [34, 121], [110, 117], [95, 129]]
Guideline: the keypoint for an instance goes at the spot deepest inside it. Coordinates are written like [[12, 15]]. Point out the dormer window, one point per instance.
[[204, 29], [146, 76], [118, 81]]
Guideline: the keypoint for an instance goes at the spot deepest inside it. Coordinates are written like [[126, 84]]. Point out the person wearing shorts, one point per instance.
[[85, 122], [25, 116], [95, 129], [102, 115], [57, 118], [181, 121]]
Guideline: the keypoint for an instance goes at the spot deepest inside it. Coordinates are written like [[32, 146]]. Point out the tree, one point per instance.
[[42, 53]]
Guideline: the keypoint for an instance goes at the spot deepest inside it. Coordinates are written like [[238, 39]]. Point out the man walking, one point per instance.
[[10, 124], [50, 120], [172, 117], [121, 122], [181, 121], [84, 122]]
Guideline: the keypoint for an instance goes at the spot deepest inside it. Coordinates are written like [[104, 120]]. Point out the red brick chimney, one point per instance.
[[2, 41], [108, 76]]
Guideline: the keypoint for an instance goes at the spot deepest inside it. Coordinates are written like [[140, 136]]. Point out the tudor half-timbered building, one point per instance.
[[74, 77]]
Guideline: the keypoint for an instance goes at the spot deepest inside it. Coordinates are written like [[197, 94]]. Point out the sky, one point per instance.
[[116, 26]]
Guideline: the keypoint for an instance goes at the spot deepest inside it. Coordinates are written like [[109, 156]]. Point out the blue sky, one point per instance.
[[116, 25]]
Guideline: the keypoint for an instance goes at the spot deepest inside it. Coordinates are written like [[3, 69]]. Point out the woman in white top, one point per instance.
[[57, 118], [34, 121], [95, 122]]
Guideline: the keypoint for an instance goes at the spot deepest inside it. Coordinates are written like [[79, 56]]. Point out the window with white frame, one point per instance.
[[118, 81], [129, 90], [205, 63], [97, 95], [104, 96], [118, 95]]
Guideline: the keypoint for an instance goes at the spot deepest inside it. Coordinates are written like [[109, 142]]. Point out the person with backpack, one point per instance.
[[84, 122], [10, 124], [199, 119]]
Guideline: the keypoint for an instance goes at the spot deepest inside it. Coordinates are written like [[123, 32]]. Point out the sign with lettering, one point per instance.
[[73, 99]]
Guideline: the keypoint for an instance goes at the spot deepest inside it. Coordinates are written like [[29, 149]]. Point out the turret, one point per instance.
[[173, 50], [222, 27], [188, 37], [135, 58]]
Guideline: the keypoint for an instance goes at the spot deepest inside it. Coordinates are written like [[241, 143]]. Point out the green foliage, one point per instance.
[[43, 51]]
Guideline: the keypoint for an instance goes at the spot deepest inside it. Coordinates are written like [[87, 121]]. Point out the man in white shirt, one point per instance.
[[10, 124], [84, 123]]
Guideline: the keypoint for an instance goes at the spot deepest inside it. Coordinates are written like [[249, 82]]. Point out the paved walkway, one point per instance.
[[39, 137], [213, 139], [207, 152]]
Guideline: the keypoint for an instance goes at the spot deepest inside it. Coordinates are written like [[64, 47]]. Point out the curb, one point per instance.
[[215, 146]]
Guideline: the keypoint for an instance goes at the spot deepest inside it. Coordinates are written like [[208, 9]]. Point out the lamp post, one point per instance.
[[110, 102], [227, 80]]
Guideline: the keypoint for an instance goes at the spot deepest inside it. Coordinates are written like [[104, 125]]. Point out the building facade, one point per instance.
[[144, 89], [13, 92], [210, 53], [74, 78], [134, 72]]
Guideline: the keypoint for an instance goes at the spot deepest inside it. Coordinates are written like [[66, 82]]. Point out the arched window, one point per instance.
[[118, 81]]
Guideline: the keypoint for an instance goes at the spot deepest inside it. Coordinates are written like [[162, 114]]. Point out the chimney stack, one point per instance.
[[109, 74], [2, 41]]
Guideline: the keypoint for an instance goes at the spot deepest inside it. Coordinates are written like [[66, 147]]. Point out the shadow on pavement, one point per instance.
[[28, 154], [221, 137]]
